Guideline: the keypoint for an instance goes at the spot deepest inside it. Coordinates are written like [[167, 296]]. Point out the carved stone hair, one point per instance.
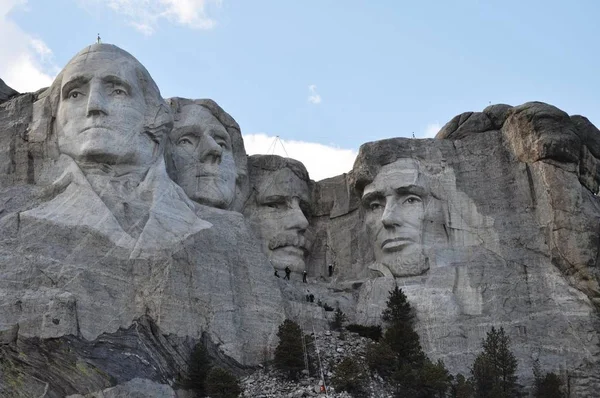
[[259, 165]]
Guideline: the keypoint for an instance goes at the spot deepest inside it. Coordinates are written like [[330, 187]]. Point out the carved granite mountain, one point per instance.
[[111, 272], [96, 237], [506, 234]]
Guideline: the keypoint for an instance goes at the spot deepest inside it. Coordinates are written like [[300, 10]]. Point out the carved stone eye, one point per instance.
[[374, 206], [412, 200]]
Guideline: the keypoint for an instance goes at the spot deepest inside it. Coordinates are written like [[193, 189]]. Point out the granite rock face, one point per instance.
[[277, 210], [119, 253], [6, 92], [95, 236], [502, 213]]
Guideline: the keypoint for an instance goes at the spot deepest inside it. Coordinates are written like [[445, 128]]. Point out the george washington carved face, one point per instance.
[[102, 109]]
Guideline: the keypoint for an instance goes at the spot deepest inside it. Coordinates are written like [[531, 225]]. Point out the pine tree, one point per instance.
[[404, 342], [338, 319], [400, 357], [494, 369], [198, 368], [434, 379], [289, 354], [398, 309], [348, 376], [381, 359], [222, 384], [461, 387], [547, 385]]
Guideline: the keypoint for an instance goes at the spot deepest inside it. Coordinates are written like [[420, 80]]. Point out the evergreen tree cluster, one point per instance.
[[349, 376], [289, 354], [399, 357], [205, 379]]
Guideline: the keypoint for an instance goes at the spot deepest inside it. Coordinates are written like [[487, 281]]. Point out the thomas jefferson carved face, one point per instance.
[[101, 111], [395, 208], [278, 216], [202, 158]]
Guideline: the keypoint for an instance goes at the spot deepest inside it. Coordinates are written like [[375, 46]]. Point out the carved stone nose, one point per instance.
[[210, 151], [96, 104]]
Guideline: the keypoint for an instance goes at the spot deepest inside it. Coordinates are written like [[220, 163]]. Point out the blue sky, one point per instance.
[[327, 76]]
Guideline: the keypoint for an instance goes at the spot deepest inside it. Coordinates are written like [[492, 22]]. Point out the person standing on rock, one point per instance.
[[304, 276], [288, 271]]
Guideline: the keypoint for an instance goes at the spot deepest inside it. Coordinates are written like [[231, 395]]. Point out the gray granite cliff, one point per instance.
[[131, 233]]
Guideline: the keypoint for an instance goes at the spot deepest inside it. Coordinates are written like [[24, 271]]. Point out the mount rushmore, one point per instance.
[[134, 227]]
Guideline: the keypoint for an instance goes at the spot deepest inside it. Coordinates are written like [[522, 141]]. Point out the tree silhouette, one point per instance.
[[398, 309], [494, 369], [289, 355]]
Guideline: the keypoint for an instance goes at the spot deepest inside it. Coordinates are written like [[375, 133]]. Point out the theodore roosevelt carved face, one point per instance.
[[395, 203], [278, 209]]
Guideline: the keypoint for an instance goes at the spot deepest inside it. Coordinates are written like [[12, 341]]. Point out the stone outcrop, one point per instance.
[[6, 92], [88, 249], [115, 261], [513, 189]]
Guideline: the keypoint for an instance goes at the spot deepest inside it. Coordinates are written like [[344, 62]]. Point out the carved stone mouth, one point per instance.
[[394, 244], [300, 251], [94, 127]]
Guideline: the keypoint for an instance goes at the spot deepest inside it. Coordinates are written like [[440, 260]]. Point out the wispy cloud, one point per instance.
[[26, 62], [314, 97], [430, 131], [321, 161], [145, 15]]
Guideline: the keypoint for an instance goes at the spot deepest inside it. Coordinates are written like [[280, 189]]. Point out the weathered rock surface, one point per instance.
[[333, 348], [6, 92], [110, 274], [89, 246], [518, 204]]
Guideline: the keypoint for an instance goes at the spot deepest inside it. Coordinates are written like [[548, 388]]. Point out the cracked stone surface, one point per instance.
[[513, 241], [106, 291]]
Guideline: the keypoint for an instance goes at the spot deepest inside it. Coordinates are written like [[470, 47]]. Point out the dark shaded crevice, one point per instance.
[[30, 168], [531, 186]]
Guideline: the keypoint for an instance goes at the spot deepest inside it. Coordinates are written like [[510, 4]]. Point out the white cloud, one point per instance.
[[321, 161], [145, 15], [431, 130], [26, 62], [314, 97]]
